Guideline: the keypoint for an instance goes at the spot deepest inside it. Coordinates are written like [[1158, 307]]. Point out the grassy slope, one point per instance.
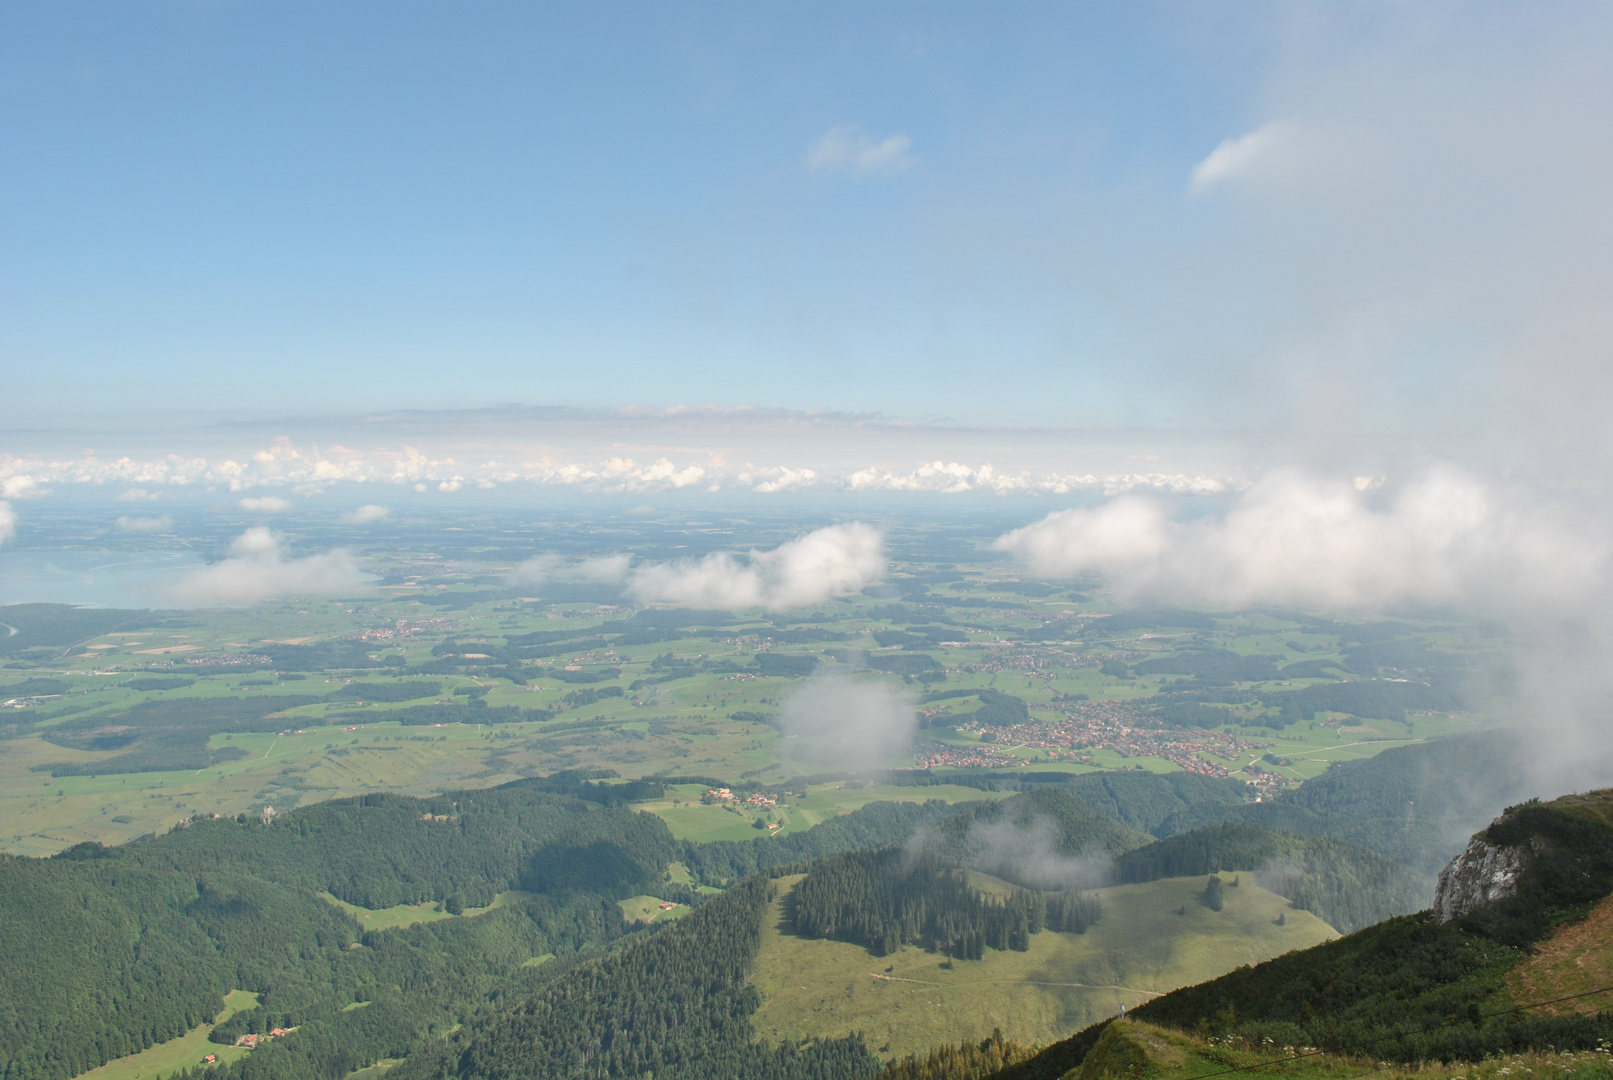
[[647, 909], [908, 1003], [1576, 959], [1166, 1054], [179, 1054]]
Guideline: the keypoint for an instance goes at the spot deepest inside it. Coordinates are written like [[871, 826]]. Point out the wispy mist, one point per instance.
[[161, 523], [840, 720], [1027, 852], [367, 514], [265, 504], [601, 569]]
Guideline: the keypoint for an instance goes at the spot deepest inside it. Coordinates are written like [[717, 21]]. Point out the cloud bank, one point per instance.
[[1299, 539], [837, 719], [836, 561], [257, 569]]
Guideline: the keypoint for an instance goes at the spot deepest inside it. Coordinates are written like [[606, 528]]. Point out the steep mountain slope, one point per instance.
[[1430, 986]]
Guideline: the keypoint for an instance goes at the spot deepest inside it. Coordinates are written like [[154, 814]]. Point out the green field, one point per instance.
[[643, 910], [176, 1055], [692, 702], [406, 914], [909, 1002]]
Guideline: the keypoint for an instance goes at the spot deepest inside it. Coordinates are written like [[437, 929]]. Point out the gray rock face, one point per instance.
[[1480, 875]]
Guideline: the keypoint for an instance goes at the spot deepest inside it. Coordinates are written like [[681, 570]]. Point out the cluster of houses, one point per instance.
[[252, 1040], [725, 795]]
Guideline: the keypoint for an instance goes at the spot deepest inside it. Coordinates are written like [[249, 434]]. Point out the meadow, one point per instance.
[[1152, 938]]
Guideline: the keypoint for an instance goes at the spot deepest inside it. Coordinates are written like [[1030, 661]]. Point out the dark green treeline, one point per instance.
[[886, 899]]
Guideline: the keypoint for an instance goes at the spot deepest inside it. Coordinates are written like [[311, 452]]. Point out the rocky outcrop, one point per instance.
[[1482, 874]]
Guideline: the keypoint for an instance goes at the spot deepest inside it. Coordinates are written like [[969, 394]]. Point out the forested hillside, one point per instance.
[[106, 950], [1413, 804], [675, 1005], [1146, 801], [887, 899]]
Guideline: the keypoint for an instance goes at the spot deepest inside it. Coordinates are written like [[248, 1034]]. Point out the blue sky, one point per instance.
[[985, 214]]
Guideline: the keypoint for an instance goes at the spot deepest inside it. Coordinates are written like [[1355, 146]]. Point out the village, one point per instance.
[[1095, 725]]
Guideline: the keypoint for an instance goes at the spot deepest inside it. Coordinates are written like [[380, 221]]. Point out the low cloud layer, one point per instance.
[[840, 720], [836, 561], [257, 569], [694, 452], [1296, 538]]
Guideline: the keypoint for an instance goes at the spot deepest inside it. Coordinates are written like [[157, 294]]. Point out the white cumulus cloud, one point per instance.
[[845, 149], [8, 522], [834, 561], [367, 514], [1299, 539], [145, 524], [257, 569], [21, 487], [264, 504]]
